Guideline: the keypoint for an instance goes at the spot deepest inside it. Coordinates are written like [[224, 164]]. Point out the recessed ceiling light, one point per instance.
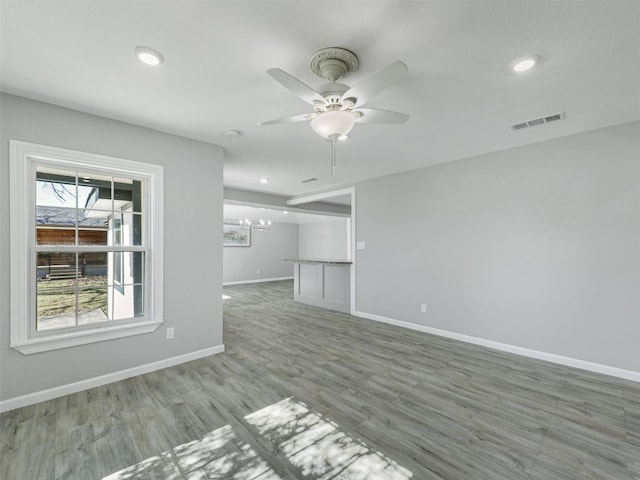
[[285, 212], [149, 56], [524, 63], [264, 180], [232, 133]]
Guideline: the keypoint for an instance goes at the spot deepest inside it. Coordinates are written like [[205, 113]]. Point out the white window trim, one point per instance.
[[21, 210]]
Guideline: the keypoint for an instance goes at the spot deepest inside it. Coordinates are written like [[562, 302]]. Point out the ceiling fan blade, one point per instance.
[[293, 118], [302, 90], [373, 115], [374, 84]]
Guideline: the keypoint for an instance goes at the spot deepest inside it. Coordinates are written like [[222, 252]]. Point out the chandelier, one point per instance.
[[259, 225]]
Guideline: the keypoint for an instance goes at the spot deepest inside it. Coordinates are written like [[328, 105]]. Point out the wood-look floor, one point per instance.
[[303, 392]]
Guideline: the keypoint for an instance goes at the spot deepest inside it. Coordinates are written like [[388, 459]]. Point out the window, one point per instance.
[[86, 262]]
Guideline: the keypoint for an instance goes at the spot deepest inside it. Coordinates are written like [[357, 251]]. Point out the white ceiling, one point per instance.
[[460, 92]]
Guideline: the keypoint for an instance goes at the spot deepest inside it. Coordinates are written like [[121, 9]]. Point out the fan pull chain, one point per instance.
[[333, 158]]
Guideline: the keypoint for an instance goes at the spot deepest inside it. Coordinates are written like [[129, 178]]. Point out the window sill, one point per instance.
[[64, 340]]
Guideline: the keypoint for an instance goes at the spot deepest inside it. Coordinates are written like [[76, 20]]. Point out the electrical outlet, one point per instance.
[[170, 333], [423, 308]]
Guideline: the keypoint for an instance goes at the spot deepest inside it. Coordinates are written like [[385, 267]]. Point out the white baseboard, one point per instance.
[[55, 392], [259, 280], [549, 357]]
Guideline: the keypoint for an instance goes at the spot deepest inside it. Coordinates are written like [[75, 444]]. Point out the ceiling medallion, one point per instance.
[[333, 63]]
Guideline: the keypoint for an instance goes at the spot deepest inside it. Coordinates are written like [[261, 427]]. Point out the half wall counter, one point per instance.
[[322, 283]]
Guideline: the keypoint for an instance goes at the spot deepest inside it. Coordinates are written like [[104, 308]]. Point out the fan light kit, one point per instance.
[[338, 107], [333, 124]]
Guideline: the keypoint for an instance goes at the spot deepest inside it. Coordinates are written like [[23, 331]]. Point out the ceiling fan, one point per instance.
[[338, 107]]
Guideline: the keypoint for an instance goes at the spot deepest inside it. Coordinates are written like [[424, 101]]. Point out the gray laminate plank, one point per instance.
[[565, 455], [115, 445], [75, 453], [32, 455]]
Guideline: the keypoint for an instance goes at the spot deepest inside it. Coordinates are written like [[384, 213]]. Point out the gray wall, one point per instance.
[[193, 257], [241, 264], [325, 240], [536, 247]]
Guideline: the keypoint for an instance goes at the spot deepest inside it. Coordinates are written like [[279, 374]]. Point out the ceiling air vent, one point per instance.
[[553, 118], [538, 121], [309, 180]]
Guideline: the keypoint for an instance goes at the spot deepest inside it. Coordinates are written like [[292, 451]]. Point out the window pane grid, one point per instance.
[[96, 219]]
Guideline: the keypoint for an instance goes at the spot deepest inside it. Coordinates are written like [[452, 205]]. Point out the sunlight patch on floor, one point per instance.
[[219, 454], [318, 448], [314, 445]]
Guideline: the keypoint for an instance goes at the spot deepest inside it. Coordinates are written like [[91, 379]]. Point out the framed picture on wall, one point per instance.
[[235, 236]]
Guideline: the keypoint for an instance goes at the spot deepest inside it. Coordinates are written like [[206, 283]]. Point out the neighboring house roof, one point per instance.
[[59, 216]]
